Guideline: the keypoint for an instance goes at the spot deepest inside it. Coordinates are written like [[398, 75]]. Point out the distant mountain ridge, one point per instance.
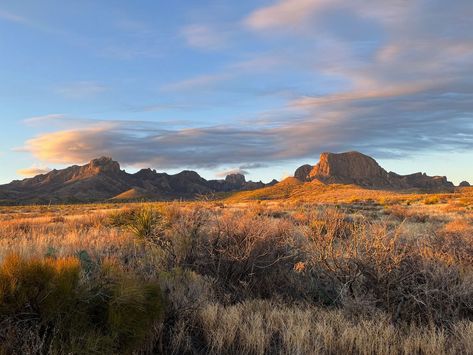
[[362, 170], [102, 179]]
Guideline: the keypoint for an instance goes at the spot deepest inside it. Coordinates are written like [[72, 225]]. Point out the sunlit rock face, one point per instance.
[[349, 168], [360, 169]]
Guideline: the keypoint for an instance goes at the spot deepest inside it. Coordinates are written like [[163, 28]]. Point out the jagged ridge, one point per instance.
[[102, 179]]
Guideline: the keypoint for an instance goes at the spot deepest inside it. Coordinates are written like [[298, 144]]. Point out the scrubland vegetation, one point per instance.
[[370, 273]]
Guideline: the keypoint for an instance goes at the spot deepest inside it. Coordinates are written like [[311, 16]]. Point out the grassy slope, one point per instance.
[[294, 190]]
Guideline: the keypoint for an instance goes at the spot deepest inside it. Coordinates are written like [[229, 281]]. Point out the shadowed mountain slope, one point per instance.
[[102, 179]]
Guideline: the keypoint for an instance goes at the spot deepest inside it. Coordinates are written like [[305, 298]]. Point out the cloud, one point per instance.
[[402, 85], [34, 24], [393, 126], [51, 118], [82, 90], [11, 17], [285, 13], [33, 171], [225, 173], [131, 145], [291, 14], [203, 37], [198, 82]]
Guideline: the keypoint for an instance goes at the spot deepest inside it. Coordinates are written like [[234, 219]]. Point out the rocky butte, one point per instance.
[[359, 169]]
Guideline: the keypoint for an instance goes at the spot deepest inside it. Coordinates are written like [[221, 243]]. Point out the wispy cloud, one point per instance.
[[224, 173], [204, 37], [11, 17], [198, 82], [44, 119], [82, 90], [33, 171], [284, 13]]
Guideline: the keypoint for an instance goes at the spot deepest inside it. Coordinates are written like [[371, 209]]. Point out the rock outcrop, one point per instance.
[[102, 179], [349, 168], [302, 173], [235, 179], [464, 184], [359, 169]]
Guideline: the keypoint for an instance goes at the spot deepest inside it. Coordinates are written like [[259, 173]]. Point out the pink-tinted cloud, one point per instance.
[[33, 171]]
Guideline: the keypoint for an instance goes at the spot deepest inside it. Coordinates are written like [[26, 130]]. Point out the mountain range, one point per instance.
[[103, 180]]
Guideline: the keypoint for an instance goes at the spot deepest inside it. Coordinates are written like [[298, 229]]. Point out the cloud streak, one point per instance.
[[393, 126], [33, 171], [82, 90], [225, 173], [203, 37]]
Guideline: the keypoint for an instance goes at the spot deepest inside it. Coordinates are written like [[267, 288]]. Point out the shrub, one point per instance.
[[47, 305], [123, 217], [431, 200], [402, 213], [379, 268], [145, 223], [249, 255]]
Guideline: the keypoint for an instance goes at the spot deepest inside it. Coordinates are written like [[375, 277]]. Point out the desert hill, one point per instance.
[[342, 177], [102, 179]]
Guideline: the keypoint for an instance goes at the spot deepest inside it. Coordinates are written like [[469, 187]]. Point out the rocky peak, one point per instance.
[[464, 184], [189, 174], [360, 169], [302, 173], [236, 179], [103, 164], [146, 174], [351, 165]]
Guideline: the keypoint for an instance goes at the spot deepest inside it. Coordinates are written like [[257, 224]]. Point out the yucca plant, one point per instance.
[[148, 225]]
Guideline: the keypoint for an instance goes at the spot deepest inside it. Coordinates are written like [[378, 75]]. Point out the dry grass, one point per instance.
[[263, 327], [337, 270]]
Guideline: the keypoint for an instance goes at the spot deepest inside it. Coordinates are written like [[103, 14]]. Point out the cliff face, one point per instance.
[[359, 169], [349, 168]]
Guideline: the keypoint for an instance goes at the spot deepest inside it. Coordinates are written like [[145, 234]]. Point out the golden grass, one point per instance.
[[262, 327], [293, 190], [292, 269]]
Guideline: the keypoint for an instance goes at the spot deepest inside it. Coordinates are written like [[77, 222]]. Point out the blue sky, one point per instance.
[[254, 86]]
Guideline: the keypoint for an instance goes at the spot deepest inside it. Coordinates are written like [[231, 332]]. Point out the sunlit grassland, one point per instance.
[[291, 269]]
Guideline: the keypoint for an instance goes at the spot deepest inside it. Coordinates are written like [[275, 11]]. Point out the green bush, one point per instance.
[[144, 223], [50, 306], [123, 217]]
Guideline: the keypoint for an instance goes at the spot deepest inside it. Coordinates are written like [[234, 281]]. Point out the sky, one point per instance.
[[253, 86]]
